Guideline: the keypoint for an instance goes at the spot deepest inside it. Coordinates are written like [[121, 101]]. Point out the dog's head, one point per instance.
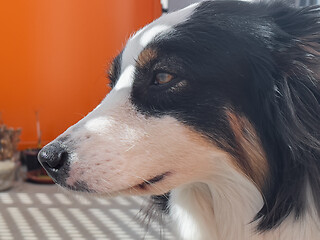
[[212, 85]]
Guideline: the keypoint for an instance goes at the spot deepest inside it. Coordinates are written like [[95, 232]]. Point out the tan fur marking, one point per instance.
[[146, 56], [253, 160]]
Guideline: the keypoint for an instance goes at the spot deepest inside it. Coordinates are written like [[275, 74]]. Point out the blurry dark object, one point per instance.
[[35, 172], [29, 157], [30, 160], [39, 176]]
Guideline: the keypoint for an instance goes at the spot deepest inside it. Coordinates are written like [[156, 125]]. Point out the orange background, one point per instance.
[[54, 56]]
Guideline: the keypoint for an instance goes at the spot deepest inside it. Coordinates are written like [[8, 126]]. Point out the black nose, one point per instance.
[[53, 156]]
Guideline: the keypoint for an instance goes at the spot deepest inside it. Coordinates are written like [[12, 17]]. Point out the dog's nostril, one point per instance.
[[53, 156], [64, 156], [59, 160]]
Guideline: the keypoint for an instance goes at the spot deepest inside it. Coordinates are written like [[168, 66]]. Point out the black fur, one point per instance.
[[262, 61]]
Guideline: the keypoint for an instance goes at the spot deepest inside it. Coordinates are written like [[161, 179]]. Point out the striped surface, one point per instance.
[[40, 212]]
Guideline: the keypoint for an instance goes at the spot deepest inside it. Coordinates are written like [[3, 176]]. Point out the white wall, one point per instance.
[[174, 5]]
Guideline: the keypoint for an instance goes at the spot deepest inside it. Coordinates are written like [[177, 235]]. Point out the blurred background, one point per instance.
[[54, 55], [53, 62]]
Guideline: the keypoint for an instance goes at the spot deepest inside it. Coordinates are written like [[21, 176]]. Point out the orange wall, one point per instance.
[[54, 55]]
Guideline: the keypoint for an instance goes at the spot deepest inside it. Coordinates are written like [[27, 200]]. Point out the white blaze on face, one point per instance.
[[115, 147], [148, 35], [126, 78]]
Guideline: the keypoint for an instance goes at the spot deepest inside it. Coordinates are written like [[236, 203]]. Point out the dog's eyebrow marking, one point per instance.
[[251, 158], [146, 56]]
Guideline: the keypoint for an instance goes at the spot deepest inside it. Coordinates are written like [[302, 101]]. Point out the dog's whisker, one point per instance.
[[130, 148]]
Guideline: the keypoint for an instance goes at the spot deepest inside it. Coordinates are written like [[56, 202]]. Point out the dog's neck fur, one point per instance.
[[222, 208]]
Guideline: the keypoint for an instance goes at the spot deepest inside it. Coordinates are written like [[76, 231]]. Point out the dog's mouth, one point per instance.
[[151, 181], [141, 187]]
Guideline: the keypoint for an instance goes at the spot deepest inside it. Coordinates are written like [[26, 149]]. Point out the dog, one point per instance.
[[214, 112]]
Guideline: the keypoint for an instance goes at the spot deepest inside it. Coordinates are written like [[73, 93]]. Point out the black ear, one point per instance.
[[292, 110]]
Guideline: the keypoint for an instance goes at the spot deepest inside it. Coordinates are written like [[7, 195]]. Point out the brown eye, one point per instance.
[[162, 78]]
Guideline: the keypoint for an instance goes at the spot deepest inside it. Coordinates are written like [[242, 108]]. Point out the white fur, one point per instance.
[[149, 35], [126, 78], [222, 208]]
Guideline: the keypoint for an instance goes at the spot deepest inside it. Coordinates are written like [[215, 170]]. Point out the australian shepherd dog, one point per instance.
[[215, 113]]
